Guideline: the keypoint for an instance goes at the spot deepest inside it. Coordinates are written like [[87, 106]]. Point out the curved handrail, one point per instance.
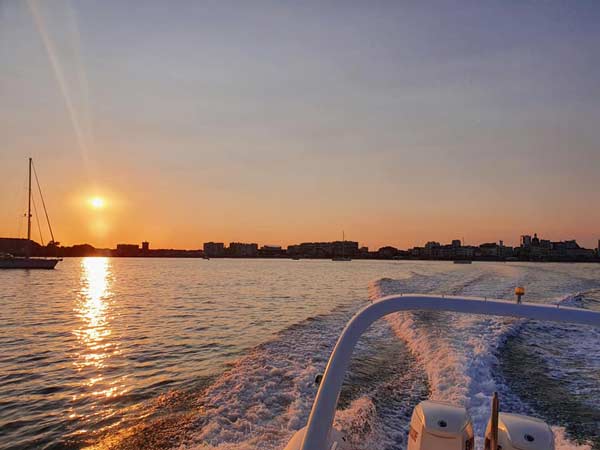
[[323, 410]]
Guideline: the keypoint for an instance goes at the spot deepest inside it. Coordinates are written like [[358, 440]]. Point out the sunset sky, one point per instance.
[[283, 121]]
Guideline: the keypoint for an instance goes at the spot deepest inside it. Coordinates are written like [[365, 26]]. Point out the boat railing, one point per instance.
[[323, 411]]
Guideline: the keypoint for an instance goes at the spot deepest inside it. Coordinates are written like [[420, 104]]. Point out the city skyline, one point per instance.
[[283, 123], [531, 248]]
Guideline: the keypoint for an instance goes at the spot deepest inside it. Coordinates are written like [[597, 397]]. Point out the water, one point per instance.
[[222, 354]]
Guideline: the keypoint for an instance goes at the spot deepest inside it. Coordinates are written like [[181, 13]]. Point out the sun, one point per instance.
[[97, 202]]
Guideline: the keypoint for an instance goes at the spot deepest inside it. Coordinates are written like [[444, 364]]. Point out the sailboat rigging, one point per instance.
[[8, 261]]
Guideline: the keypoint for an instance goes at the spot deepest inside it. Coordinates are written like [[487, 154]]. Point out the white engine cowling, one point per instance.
[[516, 432], [440, 426]]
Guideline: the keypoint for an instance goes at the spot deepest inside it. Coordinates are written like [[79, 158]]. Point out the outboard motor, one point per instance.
[[516, 432], [440, 426]]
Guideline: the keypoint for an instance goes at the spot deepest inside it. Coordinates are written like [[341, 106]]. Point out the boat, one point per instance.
[[9, 261], [343, 257], [434, 425], [463, 261]]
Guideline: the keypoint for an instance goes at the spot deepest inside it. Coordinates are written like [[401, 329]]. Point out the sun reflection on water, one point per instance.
[[94, 332], [91, 309]]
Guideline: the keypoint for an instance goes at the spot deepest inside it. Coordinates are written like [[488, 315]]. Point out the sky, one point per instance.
[[278, 122]]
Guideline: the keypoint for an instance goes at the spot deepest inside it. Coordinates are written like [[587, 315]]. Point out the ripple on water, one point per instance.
[[144, 353]]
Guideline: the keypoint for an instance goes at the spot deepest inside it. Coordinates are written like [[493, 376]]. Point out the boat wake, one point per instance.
[[267, 395], [462, 355]]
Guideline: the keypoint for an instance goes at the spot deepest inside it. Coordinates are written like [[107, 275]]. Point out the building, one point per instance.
[[432, 249], [19, 247], [324, 249], [536, 249], [271, 251], [344, 248], [570, 251], [526, 241], [387, 252], [127, 250], [242, 250], [145, 246], [464, 252], [214, 249], [489, 250]]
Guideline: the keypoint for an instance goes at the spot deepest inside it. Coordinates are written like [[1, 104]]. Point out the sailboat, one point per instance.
[[343, 256], [8, 261]]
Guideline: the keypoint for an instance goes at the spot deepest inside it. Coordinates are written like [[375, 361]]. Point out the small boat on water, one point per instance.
[[9, 261], [463, 261], [434, 425]]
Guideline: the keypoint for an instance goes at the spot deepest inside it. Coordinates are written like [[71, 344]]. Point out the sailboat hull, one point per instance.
[[28, 263]]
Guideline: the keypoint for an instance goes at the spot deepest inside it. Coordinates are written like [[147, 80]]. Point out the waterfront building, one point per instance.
[[387, 252], [18, 246], [271, 251], [242, 250], [344, 248], [570, 251], [464, 252], [127, 250], [489, 250], [214, 249], [324, 249]]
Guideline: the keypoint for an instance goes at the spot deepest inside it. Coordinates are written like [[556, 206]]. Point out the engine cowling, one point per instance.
[[440, 426], [517, 432]]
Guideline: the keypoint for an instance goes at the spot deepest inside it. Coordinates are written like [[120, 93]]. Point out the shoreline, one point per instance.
[[594, 261]]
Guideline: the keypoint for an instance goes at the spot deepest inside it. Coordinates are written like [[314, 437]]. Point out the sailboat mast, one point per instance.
[[29, 205], [28, 250]]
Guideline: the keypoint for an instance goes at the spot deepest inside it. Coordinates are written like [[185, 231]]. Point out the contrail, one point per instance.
[[60, 78]]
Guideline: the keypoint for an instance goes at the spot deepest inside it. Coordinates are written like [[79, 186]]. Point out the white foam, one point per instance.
[[268, 394], [459, 351], [562, 443], [361, 425]]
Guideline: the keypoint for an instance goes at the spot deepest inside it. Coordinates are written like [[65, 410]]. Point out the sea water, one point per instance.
[[222, 354]]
